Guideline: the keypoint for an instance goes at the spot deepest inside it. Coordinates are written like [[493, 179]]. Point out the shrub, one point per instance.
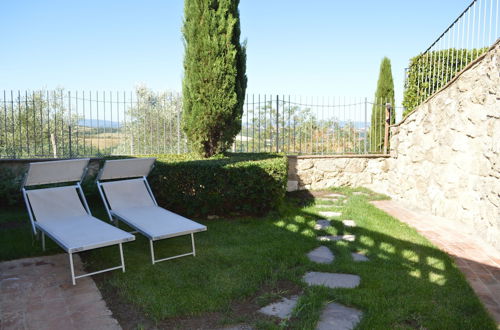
[[431, 71], [250, 184], [10, 187]]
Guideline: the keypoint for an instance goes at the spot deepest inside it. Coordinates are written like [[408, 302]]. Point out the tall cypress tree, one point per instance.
[[383, 95], [214, 74]]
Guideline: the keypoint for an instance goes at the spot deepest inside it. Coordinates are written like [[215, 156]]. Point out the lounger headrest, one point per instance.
[[56, 171], [126, 168]]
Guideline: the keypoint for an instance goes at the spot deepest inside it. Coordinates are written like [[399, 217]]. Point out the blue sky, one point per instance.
[[310, 48]]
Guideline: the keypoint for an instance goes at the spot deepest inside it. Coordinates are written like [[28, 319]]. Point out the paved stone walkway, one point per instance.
[[321, 255], [338, 317], [349, 223], [334, 316], [330, 214], [36, 293], [479, 262], [332, 280], [322, 224], [349, 238], [358, 257], [282, 309]]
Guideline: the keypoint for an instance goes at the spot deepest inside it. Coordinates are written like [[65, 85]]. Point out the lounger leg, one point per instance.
[[192, 243], [43, 241], [152, 251], [121, 257], [72, 268]]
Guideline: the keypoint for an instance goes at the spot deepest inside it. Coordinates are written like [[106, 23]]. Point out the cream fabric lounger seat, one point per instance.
[[129, 199], [62, 213]]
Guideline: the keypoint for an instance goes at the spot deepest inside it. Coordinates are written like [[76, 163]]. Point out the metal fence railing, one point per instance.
[[470, 35], [55, 124]]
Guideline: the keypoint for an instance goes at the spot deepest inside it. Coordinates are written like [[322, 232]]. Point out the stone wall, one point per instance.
[[444, 157], [319, 172]]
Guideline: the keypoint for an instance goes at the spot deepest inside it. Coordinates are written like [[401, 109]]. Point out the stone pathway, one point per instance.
[[338, 317], [334, 316], [358, 257], [36, 293], [322, 224], [330, 214], [349, 238], [325, 206], [349, 223], [335, 196], [282, 309], [321, 255], [479, 262], [332, 280]]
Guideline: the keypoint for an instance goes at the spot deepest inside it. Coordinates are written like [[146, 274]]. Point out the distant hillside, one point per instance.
[[94, 123]]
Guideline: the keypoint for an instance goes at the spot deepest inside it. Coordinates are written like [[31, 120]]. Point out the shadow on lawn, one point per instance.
[[407, 283]]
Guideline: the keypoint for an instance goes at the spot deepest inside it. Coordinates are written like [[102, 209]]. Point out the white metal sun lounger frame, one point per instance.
[[71, 178], [114, 218]]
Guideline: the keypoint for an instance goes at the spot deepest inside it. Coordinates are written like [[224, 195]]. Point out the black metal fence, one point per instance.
[[42, 124], [469, 36]]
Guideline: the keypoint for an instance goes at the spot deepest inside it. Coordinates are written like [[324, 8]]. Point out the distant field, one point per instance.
[[103, 140]]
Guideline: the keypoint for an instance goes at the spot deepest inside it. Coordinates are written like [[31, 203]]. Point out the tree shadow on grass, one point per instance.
[[407, 283]]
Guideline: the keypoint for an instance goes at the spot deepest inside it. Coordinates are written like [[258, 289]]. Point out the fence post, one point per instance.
[[70, 140], [277, 124], [178, 131], [69, 126], [366, 124], [387, 123]]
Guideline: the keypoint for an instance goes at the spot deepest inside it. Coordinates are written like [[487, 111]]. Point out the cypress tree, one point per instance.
[[215, 79], [383, 95]]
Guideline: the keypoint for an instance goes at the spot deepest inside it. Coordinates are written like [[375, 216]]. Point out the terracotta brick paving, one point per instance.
[[479, 262], [37, 293]]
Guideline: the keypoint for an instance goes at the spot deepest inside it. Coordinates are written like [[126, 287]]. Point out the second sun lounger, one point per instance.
[[62, 212], [128, 198]]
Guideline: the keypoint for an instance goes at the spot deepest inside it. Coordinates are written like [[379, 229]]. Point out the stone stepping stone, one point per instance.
[[329, 214], [238, 327], [322, 224], [282, 309], [326, 199], [338, 317], [332, 280], [344, 201], [335, 196], [321, 255], [358, 257], [349, 223], [324, 206], [349, 238]]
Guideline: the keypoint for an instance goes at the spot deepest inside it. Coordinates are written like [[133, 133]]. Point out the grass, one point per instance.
[[407, 284]]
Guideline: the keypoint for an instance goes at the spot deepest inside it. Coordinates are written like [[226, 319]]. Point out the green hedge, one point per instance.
[[432, 71], [251, 184]]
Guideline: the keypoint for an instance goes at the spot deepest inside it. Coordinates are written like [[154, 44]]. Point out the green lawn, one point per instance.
[[245, 263]]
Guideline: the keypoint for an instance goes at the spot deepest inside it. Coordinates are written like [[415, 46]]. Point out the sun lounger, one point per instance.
[[128, 198], [62, 213]]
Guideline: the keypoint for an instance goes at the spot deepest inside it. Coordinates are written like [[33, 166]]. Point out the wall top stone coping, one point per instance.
[[339, 156], [33, 160]]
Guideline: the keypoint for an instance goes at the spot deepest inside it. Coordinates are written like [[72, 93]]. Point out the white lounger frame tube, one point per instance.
[[114, 219], [34, 225], [127, 174]]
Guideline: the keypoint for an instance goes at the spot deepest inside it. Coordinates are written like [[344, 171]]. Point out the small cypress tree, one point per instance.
[[214, 75], [383, 95]]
